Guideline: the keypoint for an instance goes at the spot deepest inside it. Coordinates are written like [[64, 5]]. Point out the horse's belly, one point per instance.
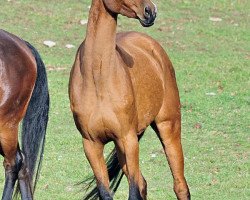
[[148, 106]]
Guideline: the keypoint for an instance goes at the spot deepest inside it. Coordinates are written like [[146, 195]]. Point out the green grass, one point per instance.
[[209, 57]]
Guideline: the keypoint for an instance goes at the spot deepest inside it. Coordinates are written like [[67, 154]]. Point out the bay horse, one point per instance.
[[119, 85], [23, 97]]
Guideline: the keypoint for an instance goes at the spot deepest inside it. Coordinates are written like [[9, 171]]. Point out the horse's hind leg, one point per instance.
[[13, 164], [94, 153], [169, 133], [168, 128], [23, 178], [8, 139]]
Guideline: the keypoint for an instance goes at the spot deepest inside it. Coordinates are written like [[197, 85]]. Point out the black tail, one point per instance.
[[115, 176], [35, 122]]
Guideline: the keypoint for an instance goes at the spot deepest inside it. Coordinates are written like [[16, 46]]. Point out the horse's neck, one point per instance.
[[100, 37]]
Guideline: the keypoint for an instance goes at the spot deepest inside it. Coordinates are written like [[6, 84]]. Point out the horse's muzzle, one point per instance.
[[149, 17]]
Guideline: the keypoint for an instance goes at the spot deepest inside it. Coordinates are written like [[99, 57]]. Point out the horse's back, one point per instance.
[[17, 76]]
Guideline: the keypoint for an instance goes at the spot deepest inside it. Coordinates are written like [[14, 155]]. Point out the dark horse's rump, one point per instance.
[[23, 96]]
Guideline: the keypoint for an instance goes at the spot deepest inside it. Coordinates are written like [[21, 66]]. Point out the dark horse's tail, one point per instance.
[[115, 176], [34, 124]]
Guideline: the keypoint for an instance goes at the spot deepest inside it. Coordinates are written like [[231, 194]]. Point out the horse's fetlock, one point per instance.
[[134, 191], [182, 191], [104, 193], [143, 189]]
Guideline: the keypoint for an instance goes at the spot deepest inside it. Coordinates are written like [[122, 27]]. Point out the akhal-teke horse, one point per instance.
[[119, 85]]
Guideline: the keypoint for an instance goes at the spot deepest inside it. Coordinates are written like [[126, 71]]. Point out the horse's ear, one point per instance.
[[126, 57]]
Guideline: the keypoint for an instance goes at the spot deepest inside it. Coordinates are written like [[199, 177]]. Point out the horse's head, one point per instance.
[[143, 10]]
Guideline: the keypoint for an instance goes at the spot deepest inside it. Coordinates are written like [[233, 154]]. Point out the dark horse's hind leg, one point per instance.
[[12, 173], [13, 164], [8, 139], [24, 182], [10, 179]]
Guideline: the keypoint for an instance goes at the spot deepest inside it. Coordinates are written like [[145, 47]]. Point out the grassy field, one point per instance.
[[211, 59]]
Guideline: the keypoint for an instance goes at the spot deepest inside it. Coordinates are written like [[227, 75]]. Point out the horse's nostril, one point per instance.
[[147, 12]]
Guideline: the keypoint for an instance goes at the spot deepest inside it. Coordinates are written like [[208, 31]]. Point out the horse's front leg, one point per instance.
[[128, 155], [94, 153]]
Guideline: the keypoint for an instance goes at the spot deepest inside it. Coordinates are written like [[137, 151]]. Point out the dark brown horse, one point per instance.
[[119, 85], [23, 96]]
